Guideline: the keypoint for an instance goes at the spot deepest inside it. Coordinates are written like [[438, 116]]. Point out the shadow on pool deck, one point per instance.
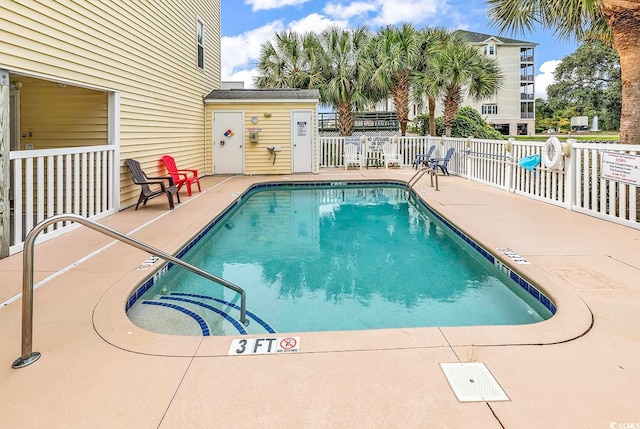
[[99, 370]]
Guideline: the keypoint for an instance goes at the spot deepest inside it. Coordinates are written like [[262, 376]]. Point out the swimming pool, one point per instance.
[[335, 257]]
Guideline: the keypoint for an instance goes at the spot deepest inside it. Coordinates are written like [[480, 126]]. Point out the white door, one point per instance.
[[302, 141], [228, 142]]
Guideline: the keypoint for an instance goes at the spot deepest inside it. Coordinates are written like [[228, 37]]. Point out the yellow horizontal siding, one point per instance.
[[54, 117], [274, 131], [144, 49]]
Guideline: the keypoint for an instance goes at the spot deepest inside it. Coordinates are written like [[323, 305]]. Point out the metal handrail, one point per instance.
[[28, 356], [419, 175], [420, 172]]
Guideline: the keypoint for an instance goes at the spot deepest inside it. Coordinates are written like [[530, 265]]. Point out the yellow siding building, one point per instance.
[[257, 131], [131, 74]]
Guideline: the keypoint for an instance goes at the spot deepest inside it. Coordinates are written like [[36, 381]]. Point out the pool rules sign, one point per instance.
[[621, 167], [263, 346]]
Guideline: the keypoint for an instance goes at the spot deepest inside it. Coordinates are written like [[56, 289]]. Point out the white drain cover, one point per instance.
[[472, 382]]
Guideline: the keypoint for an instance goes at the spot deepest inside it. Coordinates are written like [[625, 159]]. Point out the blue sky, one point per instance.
[[246, 24]]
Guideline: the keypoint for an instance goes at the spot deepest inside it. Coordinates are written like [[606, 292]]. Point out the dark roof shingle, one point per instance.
[[263, 94], [473, 37]]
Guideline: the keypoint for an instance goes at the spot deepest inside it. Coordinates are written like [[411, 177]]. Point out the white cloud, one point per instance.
[[272, 4], [413, 11], [338, 10], [388, 12], [545, 78], [239, 51], [316, 23]]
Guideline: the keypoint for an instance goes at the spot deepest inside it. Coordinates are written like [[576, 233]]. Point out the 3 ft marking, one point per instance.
[[513, 256], [263, 346]]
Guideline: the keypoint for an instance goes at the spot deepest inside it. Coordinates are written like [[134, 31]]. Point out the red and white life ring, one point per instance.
[[552, 153]]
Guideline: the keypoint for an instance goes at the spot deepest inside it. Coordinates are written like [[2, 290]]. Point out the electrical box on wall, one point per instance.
[[253, 137]]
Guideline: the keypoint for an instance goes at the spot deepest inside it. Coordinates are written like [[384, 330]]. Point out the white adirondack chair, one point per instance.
[[351, 156], [391, 155]]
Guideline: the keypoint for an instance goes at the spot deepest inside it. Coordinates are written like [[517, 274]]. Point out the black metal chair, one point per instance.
[[146, 193]]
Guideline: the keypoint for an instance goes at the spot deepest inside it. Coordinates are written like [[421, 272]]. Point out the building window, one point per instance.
[[523, 129], [502, 129], [200, 42], [489, 109], [489, 50]]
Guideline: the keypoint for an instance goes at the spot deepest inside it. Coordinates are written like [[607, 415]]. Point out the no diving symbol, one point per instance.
[[288, 343]]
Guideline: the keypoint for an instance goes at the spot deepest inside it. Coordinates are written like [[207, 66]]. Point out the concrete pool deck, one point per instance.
[[579, 369]]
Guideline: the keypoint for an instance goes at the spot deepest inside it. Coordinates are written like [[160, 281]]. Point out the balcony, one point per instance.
[[527, 115], [527, 78], [526, 96], [526, 58]]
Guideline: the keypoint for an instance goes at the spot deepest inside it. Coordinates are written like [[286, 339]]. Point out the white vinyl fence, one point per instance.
[[45, 183], [577, 184]]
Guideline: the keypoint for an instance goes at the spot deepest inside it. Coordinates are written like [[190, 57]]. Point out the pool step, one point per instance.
[[209, 315]]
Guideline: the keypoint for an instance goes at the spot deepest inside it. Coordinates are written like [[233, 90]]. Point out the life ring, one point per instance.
[[552, 153]]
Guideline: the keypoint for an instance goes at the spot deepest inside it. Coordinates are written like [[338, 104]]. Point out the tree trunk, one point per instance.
[[346, 120], [432, 116], [624, 22], [452, 100], [401, 100]]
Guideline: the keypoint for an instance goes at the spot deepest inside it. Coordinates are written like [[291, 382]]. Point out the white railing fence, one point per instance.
[[48, 182], [577, 185], [85, 180]]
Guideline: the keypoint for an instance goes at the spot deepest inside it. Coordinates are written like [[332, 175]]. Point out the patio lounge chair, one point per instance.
[[181, 176], [442, 163], [351, 156], [146, 193], [423, 158], [391, 155]]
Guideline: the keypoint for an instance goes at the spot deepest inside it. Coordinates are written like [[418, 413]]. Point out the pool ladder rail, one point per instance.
[[28, 356], [421, 172]]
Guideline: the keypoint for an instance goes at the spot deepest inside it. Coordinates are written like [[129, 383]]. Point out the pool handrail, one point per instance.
[[28, 356], [416, 177]]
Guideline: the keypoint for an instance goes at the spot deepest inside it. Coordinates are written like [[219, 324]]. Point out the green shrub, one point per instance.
[[421, 125], [468, 123]]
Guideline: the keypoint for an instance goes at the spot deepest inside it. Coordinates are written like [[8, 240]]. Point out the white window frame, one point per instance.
[[489, 50], [200, 37], [489, 109]]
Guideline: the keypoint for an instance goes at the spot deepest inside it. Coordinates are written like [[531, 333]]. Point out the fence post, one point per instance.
[[468, 164], [4, 163], [570, 162], [509, 166]]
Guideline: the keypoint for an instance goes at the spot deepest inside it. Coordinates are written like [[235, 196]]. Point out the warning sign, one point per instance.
[[262, 346], [288, 344], [621, 167]]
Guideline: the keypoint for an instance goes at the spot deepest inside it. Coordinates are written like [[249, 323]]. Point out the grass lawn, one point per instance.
[[579, 137]]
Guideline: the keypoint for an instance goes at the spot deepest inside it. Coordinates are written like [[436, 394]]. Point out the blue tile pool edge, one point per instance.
[[528, 287], [513, 275]]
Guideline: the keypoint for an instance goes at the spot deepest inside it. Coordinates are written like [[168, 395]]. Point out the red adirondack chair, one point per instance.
[[181, 177]]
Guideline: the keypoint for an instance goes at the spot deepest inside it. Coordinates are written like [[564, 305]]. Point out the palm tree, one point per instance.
[[339, 58], [286, 63], [457, 68], [612, 21], [424, 82], [396, 52]]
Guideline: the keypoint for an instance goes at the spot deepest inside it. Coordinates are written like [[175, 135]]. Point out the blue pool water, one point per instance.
[[335, 258]]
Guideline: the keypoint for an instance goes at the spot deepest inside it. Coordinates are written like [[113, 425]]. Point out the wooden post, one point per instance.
[[5, 145]]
